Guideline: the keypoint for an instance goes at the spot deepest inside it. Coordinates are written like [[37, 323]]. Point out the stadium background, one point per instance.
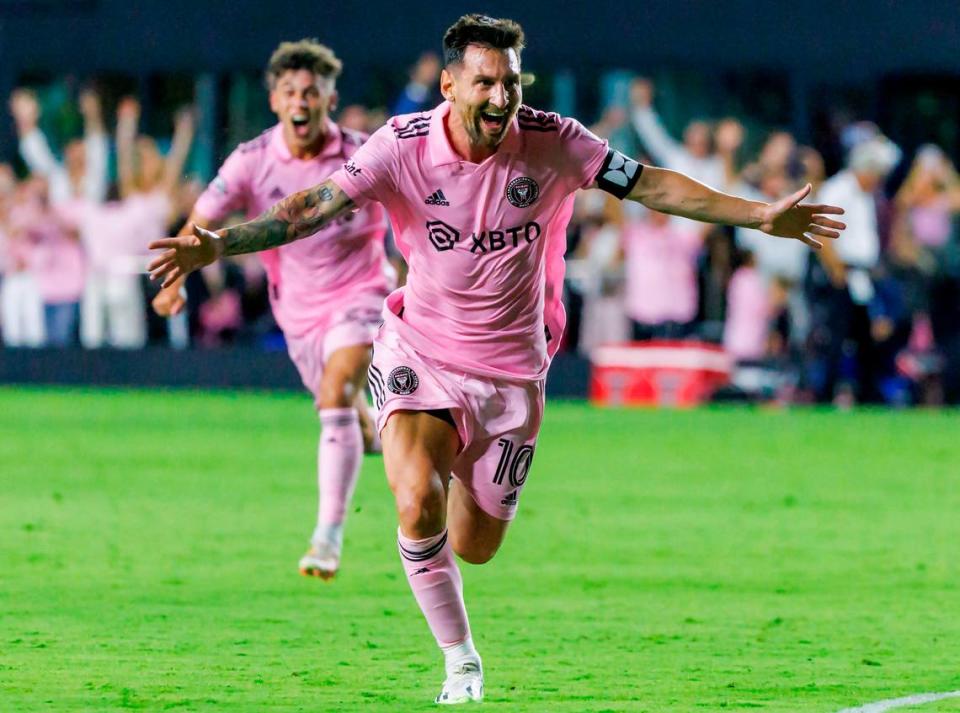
[[802, 69], [791, 560]]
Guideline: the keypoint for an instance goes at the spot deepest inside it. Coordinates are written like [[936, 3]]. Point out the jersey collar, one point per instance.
[[443, 153]]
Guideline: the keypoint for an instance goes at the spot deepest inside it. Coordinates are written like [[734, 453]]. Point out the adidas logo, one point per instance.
[[277, 195], [437, 199], [510, 500], [422, 570]]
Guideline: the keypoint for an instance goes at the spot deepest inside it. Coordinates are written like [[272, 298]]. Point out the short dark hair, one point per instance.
[[305, 54], [499, 33]]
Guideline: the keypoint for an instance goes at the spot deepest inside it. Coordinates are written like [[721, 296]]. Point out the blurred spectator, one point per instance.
[[746, 328], [728, 139], [845, 362], [55, 260], [695, 156], [776, 156], [660, 260], [593, 276], [85, 173], [813, 167], [782, 264], [422, 92], [21, 307], [116, 234]]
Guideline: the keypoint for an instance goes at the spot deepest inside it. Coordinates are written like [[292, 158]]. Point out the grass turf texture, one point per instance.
[[661, 561]]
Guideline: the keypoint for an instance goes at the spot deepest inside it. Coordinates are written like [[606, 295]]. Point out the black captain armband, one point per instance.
[[618, 174]]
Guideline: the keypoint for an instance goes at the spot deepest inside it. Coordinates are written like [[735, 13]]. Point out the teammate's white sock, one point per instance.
[[331, 534]]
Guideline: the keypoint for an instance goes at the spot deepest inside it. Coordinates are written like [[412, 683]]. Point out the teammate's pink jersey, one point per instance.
[[484, 242], [310, 276]]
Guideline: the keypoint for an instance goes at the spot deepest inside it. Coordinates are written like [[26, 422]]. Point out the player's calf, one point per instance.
[[474, 534]]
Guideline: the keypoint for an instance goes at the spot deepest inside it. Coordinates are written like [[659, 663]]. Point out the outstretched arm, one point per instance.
[[671, 192], [295, 217]]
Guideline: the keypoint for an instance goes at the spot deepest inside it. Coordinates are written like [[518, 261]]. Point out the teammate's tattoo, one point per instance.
[[294, 217]]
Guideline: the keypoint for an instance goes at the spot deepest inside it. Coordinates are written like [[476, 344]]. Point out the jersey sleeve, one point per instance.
[[581, 152], [371, 173], [592, 162], [229, 191]]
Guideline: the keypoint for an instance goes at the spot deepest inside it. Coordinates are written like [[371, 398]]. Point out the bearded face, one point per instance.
[[484, 89]]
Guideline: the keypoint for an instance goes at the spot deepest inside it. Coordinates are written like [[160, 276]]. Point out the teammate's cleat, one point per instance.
[[464, 684], [322, 560]]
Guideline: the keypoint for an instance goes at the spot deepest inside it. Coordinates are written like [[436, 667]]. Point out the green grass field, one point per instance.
[[661, 561]]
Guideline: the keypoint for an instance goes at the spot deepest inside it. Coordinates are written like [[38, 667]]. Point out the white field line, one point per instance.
[[914, 700]]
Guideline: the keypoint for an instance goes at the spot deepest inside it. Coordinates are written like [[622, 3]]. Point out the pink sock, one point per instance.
[[437, 586], [341, 450]]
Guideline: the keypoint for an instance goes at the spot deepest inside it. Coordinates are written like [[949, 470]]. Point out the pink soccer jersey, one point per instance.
[[311, 277], [484, 242]]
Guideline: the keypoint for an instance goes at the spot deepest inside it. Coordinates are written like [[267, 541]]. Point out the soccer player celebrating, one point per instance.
[[480, 191], [326, 291]]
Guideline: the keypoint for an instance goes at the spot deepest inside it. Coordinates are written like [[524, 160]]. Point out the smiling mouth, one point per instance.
[[493, 122]]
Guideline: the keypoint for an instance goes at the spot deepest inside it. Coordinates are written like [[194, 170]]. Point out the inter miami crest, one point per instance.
[[522, 191], [403, 381]]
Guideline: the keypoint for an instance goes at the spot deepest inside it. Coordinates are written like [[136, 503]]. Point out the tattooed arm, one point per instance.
[[295, 217]]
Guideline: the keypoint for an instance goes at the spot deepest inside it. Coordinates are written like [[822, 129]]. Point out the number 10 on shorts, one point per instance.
[[513, 465]]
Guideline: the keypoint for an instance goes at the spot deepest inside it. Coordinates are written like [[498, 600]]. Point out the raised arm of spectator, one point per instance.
[[96, 147], [183, 131], [662, 147], [677, 194], [128, 117], [297, 216], [34, 148]]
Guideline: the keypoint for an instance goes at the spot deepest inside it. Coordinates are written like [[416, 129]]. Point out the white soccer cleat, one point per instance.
[[322, 560], [464, 684]]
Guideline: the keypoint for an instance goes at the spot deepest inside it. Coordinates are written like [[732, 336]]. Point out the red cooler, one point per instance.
[[657, 373]]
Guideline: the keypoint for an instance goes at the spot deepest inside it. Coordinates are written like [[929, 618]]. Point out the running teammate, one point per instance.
[[480, 191], [326, 291]]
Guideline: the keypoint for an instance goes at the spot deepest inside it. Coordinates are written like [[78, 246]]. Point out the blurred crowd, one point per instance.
[[873, 317]]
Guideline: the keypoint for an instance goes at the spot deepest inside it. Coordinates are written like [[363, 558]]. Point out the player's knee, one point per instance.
[[420, 502], [336, 391]]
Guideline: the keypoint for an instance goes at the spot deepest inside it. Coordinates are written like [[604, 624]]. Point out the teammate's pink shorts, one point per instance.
[[353, 323], [498, 419]]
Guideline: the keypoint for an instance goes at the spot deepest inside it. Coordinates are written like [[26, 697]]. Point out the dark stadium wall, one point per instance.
[[851, 42], [235, 368], [841, 40]]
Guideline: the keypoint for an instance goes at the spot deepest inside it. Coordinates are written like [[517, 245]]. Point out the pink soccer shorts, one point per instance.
[[355, 322], [498, 420]]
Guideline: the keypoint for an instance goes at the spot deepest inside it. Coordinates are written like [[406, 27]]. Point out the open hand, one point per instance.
[[806, 223], [184, 254]]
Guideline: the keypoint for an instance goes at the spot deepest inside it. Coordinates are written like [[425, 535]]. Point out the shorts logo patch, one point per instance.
[[522, 191], [403, 381]]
